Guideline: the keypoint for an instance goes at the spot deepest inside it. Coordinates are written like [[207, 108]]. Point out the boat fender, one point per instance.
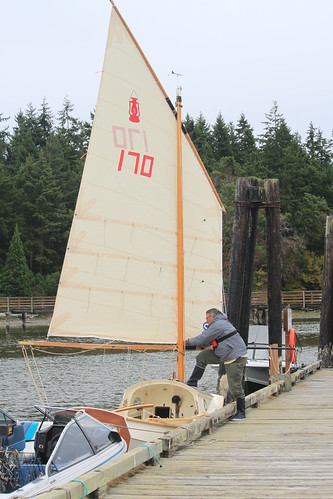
[[292, 344]]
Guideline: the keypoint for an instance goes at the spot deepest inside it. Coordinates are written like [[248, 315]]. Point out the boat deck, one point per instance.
[[283, 449]]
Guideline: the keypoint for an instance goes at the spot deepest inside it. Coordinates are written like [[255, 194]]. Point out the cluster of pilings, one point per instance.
[[251, 195], [249, 198]]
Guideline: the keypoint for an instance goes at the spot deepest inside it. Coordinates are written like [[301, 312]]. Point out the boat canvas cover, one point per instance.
[[119, 278]]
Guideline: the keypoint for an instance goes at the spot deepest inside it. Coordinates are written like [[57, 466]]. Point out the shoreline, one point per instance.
[[15, 320]]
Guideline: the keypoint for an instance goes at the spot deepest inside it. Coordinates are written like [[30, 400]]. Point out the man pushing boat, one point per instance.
[[228, 349]]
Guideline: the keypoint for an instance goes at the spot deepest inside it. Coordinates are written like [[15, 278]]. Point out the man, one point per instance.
[[228, 348]]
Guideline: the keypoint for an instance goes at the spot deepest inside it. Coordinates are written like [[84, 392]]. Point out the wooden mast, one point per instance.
[[180, 246]]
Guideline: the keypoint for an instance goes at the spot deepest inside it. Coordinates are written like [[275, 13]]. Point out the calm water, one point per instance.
[[95, 378]]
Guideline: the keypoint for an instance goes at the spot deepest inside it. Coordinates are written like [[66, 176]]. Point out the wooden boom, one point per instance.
[[99, 346]]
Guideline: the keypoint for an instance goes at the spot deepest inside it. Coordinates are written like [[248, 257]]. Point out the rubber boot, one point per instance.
[[195, 376], [240, 409]]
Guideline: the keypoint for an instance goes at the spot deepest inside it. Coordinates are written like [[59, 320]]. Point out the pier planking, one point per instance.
[[284, 448]]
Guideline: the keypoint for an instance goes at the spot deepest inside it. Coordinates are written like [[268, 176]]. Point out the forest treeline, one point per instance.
[[41, 162]]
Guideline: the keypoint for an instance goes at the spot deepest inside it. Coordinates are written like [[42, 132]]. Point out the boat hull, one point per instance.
[[155, 407]]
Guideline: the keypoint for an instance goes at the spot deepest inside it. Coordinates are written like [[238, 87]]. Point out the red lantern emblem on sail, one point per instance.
[[134, 109]]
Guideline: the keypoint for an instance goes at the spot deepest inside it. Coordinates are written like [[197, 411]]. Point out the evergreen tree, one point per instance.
[[44, 125], [276, 137], [188, 123], [22, 143], [202, 139], [221, 143], [245, 143], [310, 219], [72, 136], [44, 215], [51, 219], [6, 208], [67, 178], [320, 157], [15, 277], [4, 136]]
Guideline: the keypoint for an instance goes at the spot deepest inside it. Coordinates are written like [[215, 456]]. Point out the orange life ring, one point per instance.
[[292, 344]]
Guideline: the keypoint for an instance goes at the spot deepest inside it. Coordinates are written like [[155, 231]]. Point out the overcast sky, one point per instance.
[[236, 56]]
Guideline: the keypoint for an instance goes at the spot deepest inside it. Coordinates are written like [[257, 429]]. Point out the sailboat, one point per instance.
[[144, 257]]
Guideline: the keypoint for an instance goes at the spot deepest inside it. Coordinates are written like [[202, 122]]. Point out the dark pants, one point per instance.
[[235, 371]]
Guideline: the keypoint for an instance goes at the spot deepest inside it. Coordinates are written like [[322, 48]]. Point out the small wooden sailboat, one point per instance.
[[144, 256]]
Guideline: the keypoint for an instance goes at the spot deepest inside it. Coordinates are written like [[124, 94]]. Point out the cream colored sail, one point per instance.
[[119, 278]]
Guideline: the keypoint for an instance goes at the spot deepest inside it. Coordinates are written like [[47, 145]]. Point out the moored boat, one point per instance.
[[67, 444], [155, 407]]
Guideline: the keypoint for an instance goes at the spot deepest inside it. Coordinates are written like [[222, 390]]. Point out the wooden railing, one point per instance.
[[296, 299], [34, 304]]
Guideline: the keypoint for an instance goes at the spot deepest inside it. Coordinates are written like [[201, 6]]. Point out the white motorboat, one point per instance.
[[67, 444]]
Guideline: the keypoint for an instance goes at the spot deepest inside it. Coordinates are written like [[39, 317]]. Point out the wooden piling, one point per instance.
[[24, 321], [286, 328], [273, 245], [326, 318], [247, 200], [7, 322]]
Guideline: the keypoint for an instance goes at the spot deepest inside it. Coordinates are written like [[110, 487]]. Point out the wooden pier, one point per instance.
[[284, 448]]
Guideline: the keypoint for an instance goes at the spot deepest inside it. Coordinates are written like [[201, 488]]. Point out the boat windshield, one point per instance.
[[81, 439], [73, 448], [6, 418]]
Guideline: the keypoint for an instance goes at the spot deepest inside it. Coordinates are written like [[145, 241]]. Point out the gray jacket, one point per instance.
[[226, 350]]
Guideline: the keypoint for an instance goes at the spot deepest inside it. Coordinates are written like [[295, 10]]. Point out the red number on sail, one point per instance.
[[121, 159], [146, 166], [137, 156], [146, 159]]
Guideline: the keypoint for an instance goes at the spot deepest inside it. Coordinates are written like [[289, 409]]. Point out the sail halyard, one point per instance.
[[180, 240]]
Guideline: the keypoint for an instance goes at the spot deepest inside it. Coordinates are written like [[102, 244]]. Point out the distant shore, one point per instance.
[[15, 320], [306, 314], [44, 319]]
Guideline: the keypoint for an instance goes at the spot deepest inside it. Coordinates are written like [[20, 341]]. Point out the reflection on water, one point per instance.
[[97, 378]]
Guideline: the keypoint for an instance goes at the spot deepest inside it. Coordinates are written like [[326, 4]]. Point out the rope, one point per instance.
[[26, 358], [271, 360], [308, 376], [288, 370], [65, 354], [85, 488], [39, 376], [173, 363], [150, 449], [276, 368]]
